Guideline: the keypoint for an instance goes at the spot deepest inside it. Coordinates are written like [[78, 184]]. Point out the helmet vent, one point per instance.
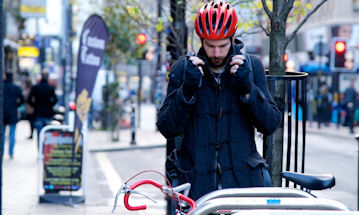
[[220, 24], [200, 25], [212, 4], [221, 4], [205, 6], [213, 20], [216, 6], [228, 7], [207, 23], [228, 25]]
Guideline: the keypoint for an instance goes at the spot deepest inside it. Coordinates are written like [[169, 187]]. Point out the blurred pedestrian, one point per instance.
[[324, 106], [350, 103], [214, 102], [42, 98], [310, 101], [29, 110], [13, 98]]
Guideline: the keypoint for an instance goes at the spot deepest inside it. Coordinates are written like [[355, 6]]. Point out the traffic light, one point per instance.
[[339, 50], [141, 38], [285, 57]]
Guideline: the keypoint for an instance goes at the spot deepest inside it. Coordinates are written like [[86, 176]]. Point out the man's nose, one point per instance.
[[216, 52]]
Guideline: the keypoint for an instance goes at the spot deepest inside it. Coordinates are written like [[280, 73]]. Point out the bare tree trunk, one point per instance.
[[178, 36]]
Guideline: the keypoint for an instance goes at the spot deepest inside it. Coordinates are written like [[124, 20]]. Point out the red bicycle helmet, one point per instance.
[[216, 20]]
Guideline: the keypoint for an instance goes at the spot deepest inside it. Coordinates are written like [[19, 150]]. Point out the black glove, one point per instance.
[[243, 78], [192, 79]]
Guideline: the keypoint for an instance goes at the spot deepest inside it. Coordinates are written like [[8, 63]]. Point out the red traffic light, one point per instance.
[[72, 105], [340, 46], [285, 57], [141, 39]]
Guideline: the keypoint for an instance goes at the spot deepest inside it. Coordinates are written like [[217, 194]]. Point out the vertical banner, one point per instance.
[[94, 37]]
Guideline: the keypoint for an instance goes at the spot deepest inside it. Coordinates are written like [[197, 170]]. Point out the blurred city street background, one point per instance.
[[122, 139]]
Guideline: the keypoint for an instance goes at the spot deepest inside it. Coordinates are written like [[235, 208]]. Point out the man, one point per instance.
[[350, 103], [42, 97], [214, 103], [13, 98]]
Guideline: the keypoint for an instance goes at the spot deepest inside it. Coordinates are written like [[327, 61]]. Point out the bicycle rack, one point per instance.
[[300, 80], [232, 204], [255, 192]]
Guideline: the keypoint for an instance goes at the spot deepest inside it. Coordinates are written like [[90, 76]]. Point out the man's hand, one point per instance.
[[241, 71], [198, 63], [192, 76]]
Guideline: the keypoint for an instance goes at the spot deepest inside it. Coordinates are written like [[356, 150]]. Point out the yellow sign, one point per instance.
[[33, 9], [28, 51]]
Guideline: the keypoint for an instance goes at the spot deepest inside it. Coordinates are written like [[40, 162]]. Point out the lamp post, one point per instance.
[[1, 100]]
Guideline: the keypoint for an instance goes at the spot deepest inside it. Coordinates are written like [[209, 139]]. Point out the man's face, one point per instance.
[[217, 50]]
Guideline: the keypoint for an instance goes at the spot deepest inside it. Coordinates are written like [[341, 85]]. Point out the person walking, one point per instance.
[[214, 102], [13, 98], [29, 110], [350, 103], [42, 98]]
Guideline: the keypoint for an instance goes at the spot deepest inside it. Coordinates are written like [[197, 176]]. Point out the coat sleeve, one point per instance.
[[265, 115], [53, 98], [175, 109], [30, 99], [20, 97]]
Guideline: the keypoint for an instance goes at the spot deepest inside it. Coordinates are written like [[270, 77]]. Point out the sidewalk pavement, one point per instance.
[[146, 135], [20, 179], [332, 130], [20, 174]]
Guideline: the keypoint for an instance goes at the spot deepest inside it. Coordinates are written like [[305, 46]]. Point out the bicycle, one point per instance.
[[238, 201]]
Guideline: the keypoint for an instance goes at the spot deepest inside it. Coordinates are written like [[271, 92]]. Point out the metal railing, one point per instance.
[[299, 80]]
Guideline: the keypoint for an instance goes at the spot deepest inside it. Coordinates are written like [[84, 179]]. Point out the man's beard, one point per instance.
[[217, 62]]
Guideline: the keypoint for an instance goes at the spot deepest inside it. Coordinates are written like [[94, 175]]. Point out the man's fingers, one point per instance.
[[233, 69], [201, 70], [196, 61], [237, 59]]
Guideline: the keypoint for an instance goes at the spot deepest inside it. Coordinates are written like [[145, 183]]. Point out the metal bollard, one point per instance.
[[133, 129]]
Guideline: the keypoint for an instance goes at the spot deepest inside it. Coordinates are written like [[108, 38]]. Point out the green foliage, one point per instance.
[[124, 19], [258, 16]]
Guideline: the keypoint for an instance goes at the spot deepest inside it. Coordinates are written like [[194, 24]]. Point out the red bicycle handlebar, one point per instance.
[[143, 207]]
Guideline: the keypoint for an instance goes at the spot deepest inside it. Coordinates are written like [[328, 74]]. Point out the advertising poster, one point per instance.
[[93, 39], [62, 169]]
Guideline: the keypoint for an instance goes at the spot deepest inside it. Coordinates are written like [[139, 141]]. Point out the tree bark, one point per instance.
[[277, 67]]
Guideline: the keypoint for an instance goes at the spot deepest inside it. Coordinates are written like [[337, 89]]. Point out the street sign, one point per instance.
[[28, 51], [33, 8]]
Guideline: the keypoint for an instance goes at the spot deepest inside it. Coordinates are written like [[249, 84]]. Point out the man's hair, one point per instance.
[[9, 76], [44, 75]]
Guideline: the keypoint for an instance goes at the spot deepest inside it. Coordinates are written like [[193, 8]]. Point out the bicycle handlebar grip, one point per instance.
[[132, 208], [132, 187], [190, 201]]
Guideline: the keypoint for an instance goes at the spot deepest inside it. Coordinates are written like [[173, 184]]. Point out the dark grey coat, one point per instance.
[[13, 98], [218, 125]]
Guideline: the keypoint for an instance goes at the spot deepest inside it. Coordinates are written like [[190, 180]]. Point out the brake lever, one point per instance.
[[141, 194], [125, 189]]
